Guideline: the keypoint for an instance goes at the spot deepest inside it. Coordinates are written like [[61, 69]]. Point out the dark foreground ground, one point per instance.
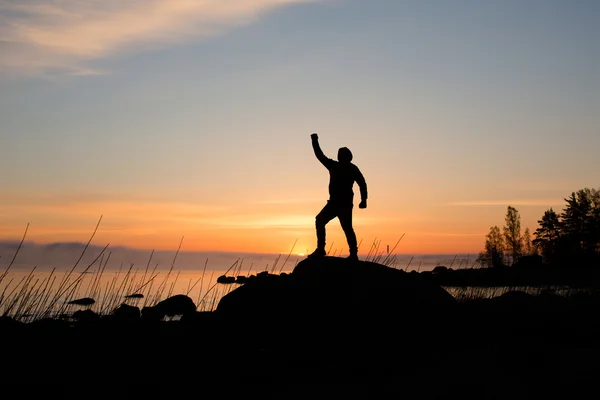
[[331, 329], [479, 351]]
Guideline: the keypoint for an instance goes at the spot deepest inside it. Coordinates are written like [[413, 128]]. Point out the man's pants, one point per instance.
[[344, 214]]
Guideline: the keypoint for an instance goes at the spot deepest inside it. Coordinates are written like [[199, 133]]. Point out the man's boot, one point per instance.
[[318, 253], [353, 255]]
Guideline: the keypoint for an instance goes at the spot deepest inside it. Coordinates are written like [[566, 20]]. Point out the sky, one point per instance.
[[188, 122]]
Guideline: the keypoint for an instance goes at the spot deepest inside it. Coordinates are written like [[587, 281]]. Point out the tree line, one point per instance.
[[569, 238]]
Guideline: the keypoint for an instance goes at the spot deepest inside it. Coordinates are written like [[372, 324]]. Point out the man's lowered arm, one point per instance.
[[362, 185]]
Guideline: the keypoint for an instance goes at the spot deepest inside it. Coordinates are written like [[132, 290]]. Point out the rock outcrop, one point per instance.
[[177, 305], [333, 287]]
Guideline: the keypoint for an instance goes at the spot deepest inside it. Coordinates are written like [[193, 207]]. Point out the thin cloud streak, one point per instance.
[[141, 212], [506, 203], [66, 34], [447, 234], [291, 201], [266, 222], [88, 72]]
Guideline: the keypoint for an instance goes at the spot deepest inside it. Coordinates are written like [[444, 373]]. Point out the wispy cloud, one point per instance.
[[141, 212], [448, 234], [265, 221], [87, 72], [291, 201], [145, 215], [64, 35], [506, 203]]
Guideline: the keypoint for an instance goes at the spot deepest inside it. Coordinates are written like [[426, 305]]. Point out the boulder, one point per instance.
[[127, 312], [85, 315], [135, 296], [177, 305], [331, 288], [85, 301]]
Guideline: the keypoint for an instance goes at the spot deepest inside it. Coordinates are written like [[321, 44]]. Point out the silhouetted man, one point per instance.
[[342, 175]]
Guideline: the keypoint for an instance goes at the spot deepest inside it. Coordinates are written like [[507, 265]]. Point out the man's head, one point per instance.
[[344, 155]]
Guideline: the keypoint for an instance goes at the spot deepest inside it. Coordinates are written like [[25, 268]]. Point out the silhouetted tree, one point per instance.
[[581, 224], [528, 247], [595, 221], [512, 234], [568, 239], [493, 255], [547, 236]]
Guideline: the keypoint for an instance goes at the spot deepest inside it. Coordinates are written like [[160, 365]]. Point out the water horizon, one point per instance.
[[68, 255]]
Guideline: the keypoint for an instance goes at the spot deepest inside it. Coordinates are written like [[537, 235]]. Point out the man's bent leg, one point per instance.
[[345, 217], [327, 214]]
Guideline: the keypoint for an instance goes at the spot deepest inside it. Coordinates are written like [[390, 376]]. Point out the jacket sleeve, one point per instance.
[[319, 153], [362, 184]]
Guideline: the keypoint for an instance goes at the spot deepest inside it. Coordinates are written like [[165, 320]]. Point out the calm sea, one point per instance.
[[43, 283]]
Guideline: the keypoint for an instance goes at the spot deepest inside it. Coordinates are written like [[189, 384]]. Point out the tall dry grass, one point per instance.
[[32, 298]]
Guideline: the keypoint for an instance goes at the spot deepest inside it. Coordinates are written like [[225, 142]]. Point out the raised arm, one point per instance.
[[318, 152]]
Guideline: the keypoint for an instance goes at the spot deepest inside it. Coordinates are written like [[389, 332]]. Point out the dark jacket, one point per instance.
[[342, 175]]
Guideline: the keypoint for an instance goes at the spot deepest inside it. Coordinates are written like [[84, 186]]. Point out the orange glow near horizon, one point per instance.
[[262, 241], [257, 233], [260, 227]]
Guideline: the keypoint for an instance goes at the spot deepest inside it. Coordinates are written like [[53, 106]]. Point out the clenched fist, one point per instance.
[[314, 136]]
